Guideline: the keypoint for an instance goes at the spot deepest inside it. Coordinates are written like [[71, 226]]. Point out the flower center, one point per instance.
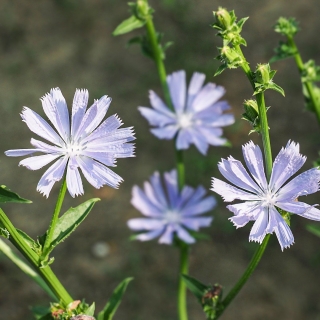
[[185, 120], [72, 149], [268, 199], [172, 217]]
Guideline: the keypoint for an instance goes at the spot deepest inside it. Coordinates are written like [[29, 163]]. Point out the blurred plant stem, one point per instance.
[[184, 248]]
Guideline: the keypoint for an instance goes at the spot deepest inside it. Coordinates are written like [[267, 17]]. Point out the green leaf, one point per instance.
[[90, 310], [4, 233], [195, 286], [277, 88], [112, 305], [128, 25], [313, 229], [221, 68], [6, 195], [70, 221]]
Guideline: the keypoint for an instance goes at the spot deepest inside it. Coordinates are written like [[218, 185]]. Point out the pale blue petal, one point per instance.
[[208, 95], [196, 196], [45, 186], [140, 224], [153, 197], [93, 117], [74, 183], [39, 126], [184, 235], [101, 156], [149, 235], [304, 184], [185, 194], [167, 132], [229, 192], [55, 107], [37, 162], [158, 189], [248, 208], [184, 139], [258, 230], [278, 225], [286, 164], [195, 85], [155, 118], [159, 105], [79, 105], [312, 213], [223, 120], [20, 152], [196, 223], [171, 183], [98, 174], [167, 236], [199, 141], [202, 206], [212, 135], [300, 208], [142, 203], [177, 87], [234, 171], [239, 220], [110, 125], [44, 147], [253, 157]]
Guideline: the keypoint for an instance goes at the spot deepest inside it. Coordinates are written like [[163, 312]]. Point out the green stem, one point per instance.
[[251, 267], [46, 273], [184, 248], [308, 85], [182, 290], [264, 130], [157, 55], [54, 220]]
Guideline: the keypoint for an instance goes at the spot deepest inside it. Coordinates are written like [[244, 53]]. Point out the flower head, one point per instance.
[[197, 117], [86, 143], [268, 202], [168, 210]]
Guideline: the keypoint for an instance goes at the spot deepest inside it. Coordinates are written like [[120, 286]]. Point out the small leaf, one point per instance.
[[90, 310], [6, 195], [221, 69], [277, 88], [70, 221], [29, 241], [112, 305], [128, 25], [313, 229], [195, 286]]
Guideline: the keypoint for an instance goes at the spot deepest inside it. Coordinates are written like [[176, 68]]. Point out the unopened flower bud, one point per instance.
[[223, 18], [229, 54], [142, 8], [262, 74]]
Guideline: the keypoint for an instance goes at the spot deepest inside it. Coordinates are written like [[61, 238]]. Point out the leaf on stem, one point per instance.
[[112, 305], [6, 195], [128, 25]]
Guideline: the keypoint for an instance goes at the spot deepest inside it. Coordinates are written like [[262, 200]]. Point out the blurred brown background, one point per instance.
[[68, 43]]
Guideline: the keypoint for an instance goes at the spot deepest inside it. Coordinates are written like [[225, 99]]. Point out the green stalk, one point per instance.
[[264, 130], [251, 267], [182, 292], [308, 85], [46, 273], [184, 248], [54, 220]]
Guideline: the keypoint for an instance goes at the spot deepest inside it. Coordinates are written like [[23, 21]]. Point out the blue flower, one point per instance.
[[86, 143], [197, 117], [169, 212], [267, 202]]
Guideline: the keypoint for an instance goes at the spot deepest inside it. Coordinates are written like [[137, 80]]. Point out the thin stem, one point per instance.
[[251, 267], [308, 85], [46, 273], [157, 55], [55, 217], [184, 248], [182, 290], [264, 130]]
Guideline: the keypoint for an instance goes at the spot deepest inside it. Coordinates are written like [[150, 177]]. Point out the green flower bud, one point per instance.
[[142, 8], [262, 74], [287, 27], [230, 54], [251, 108], [223, 18]]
